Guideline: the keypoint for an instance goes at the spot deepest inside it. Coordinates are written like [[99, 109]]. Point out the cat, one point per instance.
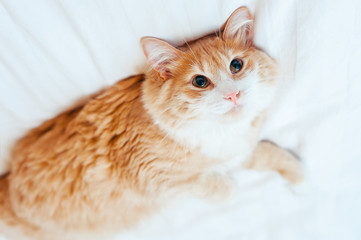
[[177, 131]]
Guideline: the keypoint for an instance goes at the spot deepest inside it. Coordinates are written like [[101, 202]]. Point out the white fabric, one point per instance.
[[54, 52]]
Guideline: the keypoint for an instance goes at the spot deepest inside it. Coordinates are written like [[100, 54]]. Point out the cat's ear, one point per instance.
[[239, 27], [160, 54]]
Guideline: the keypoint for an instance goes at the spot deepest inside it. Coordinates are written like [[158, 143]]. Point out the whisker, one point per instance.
[[190, 60], [192, 52]]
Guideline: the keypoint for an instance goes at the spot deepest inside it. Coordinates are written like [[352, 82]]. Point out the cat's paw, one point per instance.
[[302, 184], [269, 156], [291, 168]]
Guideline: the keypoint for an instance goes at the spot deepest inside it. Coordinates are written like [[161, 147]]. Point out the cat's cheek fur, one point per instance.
[[259, 94]]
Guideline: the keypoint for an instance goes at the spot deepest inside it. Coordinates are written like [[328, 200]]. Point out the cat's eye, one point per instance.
[[236, 65], [200, 81]]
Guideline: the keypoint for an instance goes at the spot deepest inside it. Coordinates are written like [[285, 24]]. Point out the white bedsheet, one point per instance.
[[54, 52]]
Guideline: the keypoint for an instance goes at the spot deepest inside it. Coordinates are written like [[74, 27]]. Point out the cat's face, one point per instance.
[[222, 77]]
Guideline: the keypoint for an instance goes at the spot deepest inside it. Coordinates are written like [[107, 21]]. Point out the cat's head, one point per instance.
[[220, 76]]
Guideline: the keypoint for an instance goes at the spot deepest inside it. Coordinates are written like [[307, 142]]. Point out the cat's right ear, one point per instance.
[[239, 26], [160, 55]]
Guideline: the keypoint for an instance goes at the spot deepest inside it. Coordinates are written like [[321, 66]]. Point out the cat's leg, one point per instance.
[[216, 187], [212, 186], [268, 156]]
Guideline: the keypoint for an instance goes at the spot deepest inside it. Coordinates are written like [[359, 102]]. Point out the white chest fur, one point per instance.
[[229, 142]]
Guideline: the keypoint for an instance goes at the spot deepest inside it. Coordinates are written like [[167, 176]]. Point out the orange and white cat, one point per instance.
[[177, 131]]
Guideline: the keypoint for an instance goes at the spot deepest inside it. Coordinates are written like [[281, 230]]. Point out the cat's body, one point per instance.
[[105, 166]]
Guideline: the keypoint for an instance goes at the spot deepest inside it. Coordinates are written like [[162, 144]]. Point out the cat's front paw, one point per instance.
[[269, 156], [291, 168]]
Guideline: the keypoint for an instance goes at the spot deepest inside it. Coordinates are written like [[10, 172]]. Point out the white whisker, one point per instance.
[[192, 52]]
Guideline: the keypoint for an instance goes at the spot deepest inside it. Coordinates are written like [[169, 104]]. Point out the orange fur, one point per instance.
[[108, 164], [268, 156]]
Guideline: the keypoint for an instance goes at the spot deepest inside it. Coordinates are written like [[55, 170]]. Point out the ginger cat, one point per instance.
[[177, 131]]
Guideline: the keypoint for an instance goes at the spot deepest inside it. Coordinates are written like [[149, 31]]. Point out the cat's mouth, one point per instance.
[[235, 109]]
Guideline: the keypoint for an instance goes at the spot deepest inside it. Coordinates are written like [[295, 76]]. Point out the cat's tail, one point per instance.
[[11, 226]]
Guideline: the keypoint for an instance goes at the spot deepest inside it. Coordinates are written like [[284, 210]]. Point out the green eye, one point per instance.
[[200, 81], [236, 65]]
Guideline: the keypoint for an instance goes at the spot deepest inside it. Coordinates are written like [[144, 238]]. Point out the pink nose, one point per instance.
[[233, 96]]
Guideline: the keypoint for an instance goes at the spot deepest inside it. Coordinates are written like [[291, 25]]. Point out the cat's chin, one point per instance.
[[234, 113]]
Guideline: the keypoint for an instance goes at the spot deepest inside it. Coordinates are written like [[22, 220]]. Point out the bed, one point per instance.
[[52, 53]]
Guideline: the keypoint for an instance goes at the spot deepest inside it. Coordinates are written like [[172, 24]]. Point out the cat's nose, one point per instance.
[[233, 96]]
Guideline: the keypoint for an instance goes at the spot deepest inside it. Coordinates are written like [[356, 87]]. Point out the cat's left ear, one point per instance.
[[161, 55], [239, 27]]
